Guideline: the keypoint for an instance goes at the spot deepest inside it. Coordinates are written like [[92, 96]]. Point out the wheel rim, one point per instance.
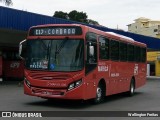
[[99, 94], [132, 88]]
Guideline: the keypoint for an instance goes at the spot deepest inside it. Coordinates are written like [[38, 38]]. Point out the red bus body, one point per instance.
[[13, 69], [114, 75]]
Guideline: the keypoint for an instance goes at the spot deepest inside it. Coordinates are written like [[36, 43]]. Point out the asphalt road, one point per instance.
[[146, 98]]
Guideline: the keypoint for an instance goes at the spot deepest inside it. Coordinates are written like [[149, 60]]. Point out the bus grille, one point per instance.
[[48, 76], [47, 91]]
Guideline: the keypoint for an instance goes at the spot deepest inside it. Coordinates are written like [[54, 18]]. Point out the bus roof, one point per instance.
[[125, 38], [122, 36]]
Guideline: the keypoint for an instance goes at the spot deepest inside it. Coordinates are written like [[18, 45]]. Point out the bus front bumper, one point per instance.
[[48, 93]]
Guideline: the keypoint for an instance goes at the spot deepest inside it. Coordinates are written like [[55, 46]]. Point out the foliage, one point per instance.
[[93, 22], [78, 16], [7, 2], [75, 16], [61, 14]]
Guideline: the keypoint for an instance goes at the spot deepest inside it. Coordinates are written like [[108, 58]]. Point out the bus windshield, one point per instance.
[[55, 55]]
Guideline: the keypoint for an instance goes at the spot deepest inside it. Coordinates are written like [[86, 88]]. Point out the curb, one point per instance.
[[153, 77]]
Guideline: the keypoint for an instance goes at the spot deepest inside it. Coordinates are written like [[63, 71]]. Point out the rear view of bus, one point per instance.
[[64, 61]]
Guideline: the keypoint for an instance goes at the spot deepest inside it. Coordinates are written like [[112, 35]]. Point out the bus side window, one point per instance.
[[114, 50], [137, 51], [143, 54], [130, 52], [123, 51], [103, 48]]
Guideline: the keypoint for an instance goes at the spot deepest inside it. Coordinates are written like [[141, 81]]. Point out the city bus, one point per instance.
[[77, 62]]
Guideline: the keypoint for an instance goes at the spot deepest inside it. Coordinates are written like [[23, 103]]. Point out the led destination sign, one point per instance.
[[50, 31]]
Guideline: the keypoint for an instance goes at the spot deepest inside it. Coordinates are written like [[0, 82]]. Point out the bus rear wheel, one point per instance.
[[132, 88]]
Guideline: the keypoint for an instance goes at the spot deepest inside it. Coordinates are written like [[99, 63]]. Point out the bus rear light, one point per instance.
[[27, 82], [74, 84]]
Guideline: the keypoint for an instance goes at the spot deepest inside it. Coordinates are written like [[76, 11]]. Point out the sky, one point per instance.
[[109, 13]]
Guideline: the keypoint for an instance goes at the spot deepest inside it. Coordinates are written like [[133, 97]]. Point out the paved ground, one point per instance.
[[146, 98]]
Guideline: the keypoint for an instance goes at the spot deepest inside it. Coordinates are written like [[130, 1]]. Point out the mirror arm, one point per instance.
[[20, 48]]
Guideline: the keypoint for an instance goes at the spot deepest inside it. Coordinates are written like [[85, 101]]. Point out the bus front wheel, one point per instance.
[[99, 94]]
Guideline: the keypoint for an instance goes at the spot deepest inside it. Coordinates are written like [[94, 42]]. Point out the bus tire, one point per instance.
[[99, 94], [132, 88]]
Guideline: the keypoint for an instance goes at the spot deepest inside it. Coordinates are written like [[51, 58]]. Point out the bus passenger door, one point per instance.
[[91, 65]]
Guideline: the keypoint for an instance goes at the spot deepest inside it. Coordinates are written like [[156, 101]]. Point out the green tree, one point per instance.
[[75, 16], [7, 2], [92, 22], [60, 14], [78, 16]]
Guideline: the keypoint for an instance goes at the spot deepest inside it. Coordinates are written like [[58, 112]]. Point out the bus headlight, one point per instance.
[[27, 82], [74, 84]]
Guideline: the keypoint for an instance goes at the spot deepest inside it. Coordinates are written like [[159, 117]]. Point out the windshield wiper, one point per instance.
[[44, 45], [60, 46], [57, 51]]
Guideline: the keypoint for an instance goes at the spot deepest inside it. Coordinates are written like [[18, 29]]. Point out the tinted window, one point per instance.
[[11, 55], [123, 51], [143, 54], [114, 45], [137, 51], [130, 53], [103, 48]]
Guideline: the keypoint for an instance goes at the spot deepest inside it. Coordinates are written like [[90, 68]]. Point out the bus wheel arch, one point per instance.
[[100, 92]]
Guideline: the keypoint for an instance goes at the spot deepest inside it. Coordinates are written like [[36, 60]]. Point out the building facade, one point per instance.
[[145, 26], [153, 66]]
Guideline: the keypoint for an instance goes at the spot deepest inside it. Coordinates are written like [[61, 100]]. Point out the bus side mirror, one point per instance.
[[21, 49], [91, 50], [91, 55]]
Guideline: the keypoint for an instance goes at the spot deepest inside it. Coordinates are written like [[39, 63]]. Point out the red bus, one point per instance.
[[13, 66], [72, 61]]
